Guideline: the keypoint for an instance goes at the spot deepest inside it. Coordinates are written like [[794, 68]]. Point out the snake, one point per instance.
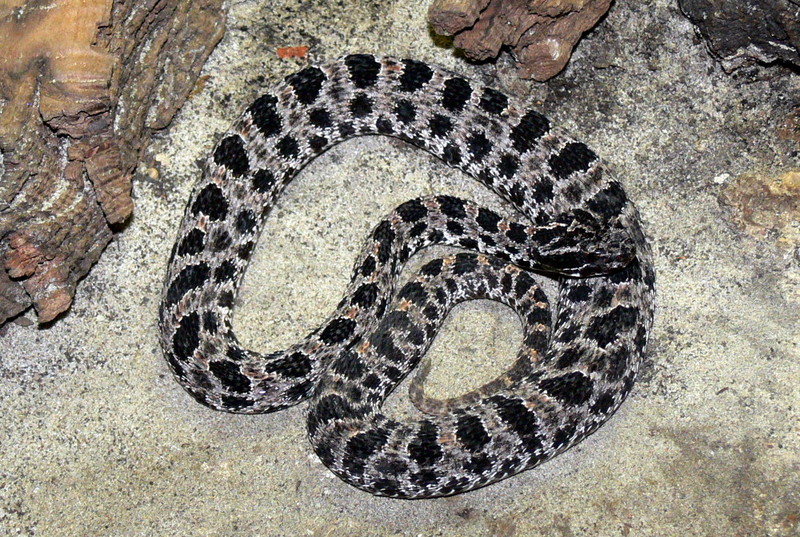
[[573, 224]]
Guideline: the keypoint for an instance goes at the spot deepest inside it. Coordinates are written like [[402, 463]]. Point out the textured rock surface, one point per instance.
[[540, 33], [766, 207], [96, 438], [83, 85], [742, 31]]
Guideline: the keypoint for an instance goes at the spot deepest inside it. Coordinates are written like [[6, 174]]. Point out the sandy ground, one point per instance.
[[96, 438]]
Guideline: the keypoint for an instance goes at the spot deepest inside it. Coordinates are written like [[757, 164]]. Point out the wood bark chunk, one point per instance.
[[766, 207], [83, 84], [450, 16], [741, 32], [540, 33]]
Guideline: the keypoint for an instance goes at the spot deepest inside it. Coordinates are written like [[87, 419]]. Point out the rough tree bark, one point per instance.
[[740, 32], [83, 84], [540, 33]]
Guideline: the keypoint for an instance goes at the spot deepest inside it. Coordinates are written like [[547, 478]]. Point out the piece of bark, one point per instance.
[[540, 33], [766, 207], [740, 32], [450, 16], [83, 84]]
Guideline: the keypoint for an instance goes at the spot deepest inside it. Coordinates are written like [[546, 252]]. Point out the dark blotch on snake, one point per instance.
[[579, 293], [471, 433], [372, 381], [210, 322], [562, 436], [349, 365], [362, 445], [365, 295], [384, 126], [520, 419], [327, 409], [299, 392], [246, 250], [524, 284], [225, 299], [405, 111], [391, 465], [265, 115], [367, 267], [465, 264], [211, 202], [263, 181], [236, 403], [478, 145], [307, 84], [609, 201], [231, 154], [603, 405], [440, 126], [414, 292], [288, 147], [398, 320], [346, 129], [526, 134], [616, 364], [384, 235], [317, 143], [338, 330], [415, 75], [542, 191], [423, 448], [432, 268], [361, 105], [411, 211], [605, 328], [246, 221], [363, 69], [320, 117], [187, 336], [230, 376], [451, 154], [541, 314], [573, 388], [225, 272], [191, 277], [456, 94], [469, 243], [192, 244], [452, 207], [383, 343], [418, 229], [493, 101], [516, 194], [295, 365], [573, 157], [488, 220], [222, 241], [386, 487], [517, 233], [237, 354], [454, 227], [508, 165], [478, 464]]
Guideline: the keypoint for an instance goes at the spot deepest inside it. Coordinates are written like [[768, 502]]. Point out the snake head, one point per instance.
[[580, 244]]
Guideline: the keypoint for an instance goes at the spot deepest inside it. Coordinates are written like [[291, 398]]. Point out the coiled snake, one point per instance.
[[576, 224]]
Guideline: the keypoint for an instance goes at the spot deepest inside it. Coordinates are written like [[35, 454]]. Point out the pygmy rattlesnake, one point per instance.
[[579, 227]]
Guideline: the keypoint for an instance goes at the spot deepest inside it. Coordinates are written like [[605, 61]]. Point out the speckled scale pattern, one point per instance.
[[575, 224]]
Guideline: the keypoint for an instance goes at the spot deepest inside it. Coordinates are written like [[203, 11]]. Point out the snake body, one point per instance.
[[575, 223]]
